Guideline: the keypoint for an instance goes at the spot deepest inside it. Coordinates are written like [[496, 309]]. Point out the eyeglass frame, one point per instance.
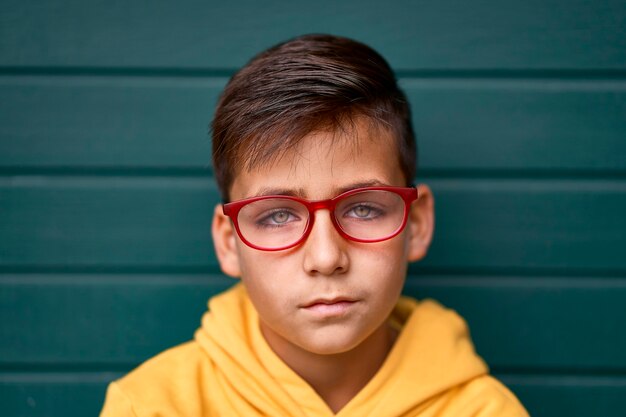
[[408, 195]]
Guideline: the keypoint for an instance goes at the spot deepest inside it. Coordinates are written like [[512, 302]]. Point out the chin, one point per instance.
[[332, 344], [328, 350]]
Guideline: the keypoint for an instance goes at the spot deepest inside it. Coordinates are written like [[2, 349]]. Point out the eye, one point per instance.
[[277, 218], [363, 211], [280, 217]]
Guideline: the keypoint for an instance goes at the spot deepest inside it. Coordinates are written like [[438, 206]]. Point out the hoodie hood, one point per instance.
[[432, 356]]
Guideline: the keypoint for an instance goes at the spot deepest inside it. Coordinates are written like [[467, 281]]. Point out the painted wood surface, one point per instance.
[[106, 188]]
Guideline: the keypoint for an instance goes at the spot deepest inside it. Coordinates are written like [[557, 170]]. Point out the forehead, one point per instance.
[[326, 162]]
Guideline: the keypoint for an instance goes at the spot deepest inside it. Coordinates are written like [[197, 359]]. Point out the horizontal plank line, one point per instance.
[[516, 74], [215, 82], [524, 174], [527, 272], [109, 171], [410, 83], [501, 184], [57, 377], [547, 74], [115, 269], [77, 279], [563, 380], [499, 281], [160, 172], [556, 372], [60, 368], [92, 374], [115, 181], [539, 86], [433, 278], [151, 72], [415, 270]]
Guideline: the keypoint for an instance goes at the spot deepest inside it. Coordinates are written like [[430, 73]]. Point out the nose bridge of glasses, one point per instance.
[[325, 220], [314, 206], [328, 205]]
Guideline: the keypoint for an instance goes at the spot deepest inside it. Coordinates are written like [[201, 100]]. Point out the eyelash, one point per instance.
[[376, 211], [262, 223]]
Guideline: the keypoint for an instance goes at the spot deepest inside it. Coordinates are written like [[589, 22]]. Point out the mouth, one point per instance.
[[328, 307]]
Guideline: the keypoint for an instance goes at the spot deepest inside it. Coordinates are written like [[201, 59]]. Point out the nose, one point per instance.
[[325, 250]]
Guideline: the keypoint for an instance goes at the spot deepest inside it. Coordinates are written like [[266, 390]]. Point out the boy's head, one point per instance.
[[313, 145], [311, 83]]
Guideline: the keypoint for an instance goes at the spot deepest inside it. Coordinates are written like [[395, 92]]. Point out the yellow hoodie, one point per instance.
[[229, 370]]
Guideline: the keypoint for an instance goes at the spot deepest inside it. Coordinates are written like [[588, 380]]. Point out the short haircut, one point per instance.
[[310, 83]]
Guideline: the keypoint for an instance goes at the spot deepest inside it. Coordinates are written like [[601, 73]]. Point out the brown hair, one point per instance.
[[306, 84]]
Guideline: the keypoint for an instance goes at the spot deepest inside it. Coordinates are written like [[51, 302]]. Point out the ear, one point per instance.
[[224, 236], [421, 224]]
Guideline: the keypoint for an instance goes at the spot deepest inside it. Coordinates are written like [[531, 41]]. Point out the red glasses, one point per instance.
[[279, 222]]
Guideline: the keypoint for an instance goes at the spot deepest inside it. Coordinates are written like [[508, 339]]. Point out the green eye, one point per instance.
[[280, 217], [277, 219], [362, 211]]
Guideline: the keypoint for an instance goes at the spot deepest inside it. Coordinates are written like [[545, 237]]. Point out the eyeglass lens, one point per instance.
[[279, 222]]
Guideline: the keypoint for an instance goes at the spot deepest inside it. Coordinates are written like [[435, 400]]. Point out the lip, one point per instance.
[[328, 301], [328, 307]]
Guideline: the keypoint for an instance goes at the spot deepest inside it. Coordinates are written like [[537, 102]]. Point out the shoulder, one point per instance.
[[167, 384], [485, 396]]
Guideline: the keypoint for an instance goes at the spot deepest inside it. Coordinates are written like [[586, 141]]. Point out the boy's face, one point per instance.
[[364, 278]]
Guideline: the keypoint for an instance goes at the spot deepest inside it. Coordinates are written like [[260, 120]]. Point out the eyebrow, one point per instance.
[[361, 184], [299, 192], [265, 191]]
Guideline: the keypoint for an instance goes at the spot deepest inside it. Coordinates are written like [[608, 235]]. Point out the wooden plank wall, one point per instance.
[[106, 192]]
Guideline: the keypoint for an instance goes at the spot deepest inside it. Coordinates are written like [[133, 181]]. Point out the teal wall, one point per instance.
[[106, 192]]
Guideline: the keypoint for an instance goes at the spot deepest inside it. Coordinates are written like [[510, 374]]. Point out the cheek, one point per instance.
[[267, 279], [386, 269], [388, 258]]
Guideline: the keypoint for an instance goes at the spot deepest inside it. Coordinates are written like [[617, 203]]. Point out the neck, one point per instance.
[[337, 378]]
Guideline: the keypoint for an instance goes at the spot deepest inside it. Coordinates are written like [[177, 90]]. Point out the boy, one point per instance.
[[314, 154]]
